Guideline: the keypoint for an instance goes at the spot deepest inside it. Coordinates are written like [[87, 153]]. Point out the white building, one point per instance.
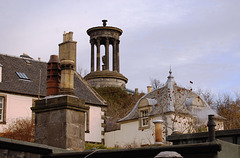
[[180, 109]]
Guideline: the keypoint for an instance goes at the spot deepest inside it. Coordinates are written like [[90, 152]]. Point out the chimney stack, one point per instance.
[[53, 75], [60, 120], [67, 57], [158, 131], [67, 49]]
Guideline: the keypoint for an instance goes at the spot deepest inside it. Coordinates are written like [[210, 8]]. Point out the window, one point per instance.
[[86, 115], [144, 118], [1, 72], [2, 110], [22, 75]]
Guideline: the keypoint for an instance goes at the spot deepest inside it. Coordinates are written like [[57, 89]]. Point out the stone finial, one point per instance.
[[104, 22], [168, 154]]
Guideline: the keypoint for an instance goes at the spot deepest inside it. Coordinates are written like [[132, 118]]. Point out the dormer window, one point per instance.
[[22, 75], [144, 109], [144, 120]]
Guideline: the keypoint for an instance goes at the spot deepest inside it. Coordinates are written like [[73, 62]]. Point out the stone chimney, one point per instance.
[[67, 77], [149, 89], [67, 56], [67, 49], [53, 75], [136, 91], [60, 119]]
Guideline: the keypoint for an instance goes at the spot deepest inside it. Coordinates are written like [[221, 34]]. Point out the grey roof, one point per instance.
[[172, 98], [11, 83]]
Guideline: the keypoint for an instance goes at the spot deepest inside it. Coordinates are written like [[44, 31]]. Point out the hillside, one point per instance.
[[120, 103]]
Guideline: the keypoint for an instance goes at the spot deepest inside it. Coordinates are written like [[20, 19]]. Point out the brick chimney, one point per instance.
[[53, 75]]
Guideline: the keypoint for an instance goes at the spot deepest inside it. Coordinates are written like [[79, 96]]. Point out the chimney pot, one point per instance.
[[149, 89], [53, 75]]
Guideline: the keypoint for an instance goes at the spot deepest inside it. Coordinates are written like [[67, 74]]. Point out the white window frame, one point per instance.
[[144, 117], [2, 109]]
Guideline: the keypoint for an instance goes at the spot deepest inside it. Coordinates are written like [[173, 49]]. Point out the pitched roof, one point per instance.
[[83, 90], [31, 68], [12, 83], [172, 98]]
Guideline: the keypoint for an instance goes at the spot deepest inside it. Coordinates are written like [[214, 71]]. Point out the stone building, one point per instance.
[[105, 76], [176, 109]]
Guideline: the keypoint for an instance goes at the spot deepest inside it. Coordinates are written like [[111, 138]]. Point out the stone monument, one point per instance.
[[104, 77]]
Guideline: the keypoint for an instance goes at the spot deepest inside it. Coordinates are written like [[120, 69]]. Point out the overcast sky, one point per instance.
[[200, 39]]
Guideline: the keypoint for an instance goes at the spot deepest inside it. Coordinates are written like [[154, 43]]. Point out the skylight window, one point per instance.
[[28, 62], [22, 75]]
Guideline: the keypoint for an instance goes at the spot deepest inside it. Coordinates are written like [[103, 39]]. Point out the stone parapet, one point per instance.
[[60, 102], [106, 79]]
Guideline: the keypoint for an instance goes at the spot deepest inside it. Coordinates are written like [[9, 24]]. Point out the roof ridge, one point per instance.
[[95, 93], [13, 56]]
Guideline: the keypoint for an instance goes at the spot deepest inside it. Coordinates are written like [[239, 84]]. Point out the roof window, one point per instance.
[[22, 75], [28, 62]]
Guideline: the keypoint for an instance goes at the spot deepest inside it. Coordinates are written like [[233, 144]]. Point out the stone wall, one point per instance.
[[231, 136], [12, 148]]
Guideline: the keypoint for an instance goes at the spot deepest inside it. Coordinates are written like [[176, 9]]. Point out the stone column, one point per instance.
[[92, 55], [158, 131], [107, 53], [98, 55], [114, 54], [117, 57]]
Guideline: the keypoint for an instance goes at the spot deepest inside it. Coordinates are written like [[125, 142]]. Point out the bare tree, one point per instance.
[[229, 108], [208, 96], [81, 71], [155, 83]]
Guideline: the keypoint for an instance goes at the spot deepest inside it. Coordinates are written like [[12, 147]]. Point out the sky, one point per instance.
[[200, 39]]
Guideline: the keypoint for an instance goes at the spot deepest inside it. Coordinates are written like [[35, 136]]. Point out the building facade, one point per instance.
[[177, 109]]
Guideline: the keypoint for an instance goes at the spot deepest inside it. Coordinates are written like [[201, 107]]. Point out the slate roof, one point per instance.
[[171, 98], [11, 83]]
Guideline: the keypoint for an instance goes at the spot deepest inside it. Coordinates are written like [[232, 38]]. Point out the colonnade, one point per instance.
[[105, 59]]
